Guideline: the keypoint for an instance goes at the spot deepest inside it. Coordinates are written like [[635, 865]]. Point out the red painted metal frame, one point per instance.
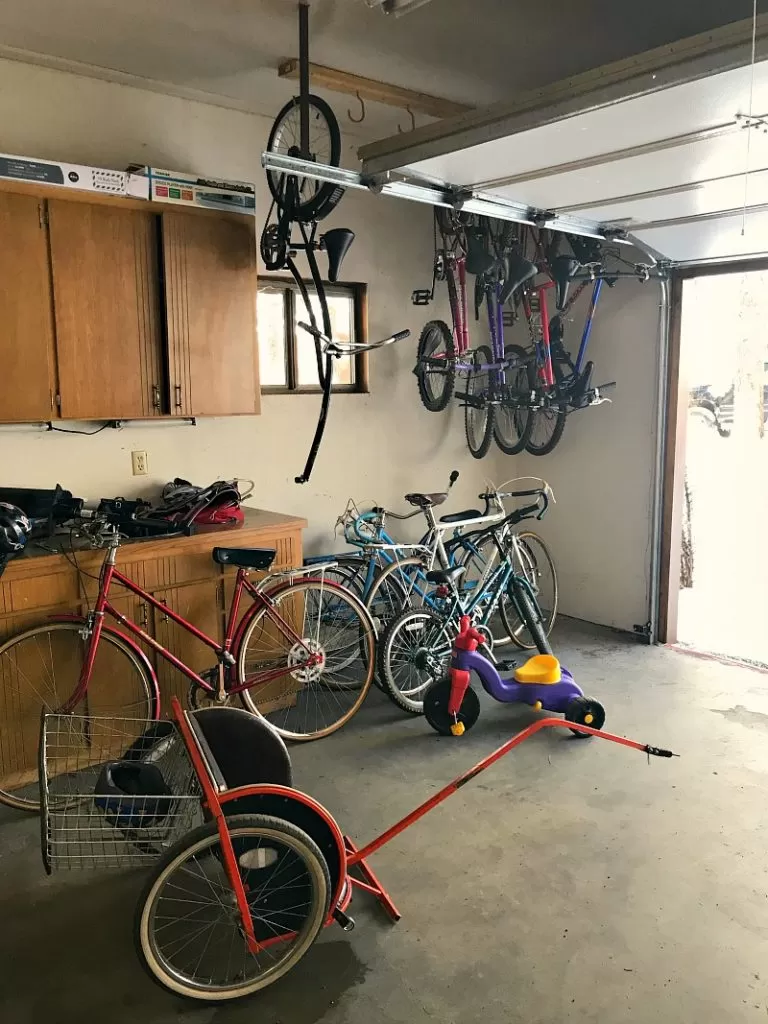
[[351, 856], [213, 805], [261, 601]]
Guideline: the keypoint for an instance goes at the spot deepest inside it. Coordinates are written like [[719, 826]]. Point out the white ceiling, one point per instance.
[[226, 51]]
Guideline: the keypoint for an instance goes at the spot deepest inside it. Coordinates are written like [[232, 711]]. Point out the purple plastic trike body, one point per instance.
[[550, 696]]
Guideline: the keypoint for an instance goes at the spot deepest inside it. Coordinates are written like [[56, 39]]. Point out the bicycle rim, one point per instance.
[[325, 148], [414, 653], [513, 423], [547, 424], [188, 930], [436, 365], [306, 701], [479, 420], [39, 671]]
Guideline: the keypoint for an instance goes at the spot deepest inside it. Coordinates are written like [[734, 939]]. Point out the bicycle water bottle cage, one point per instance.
[[336, 243], [518, 270], [563, 268]]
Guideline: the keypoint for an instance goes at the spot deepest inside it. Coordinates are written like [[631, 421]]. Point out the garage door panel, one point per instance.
[[715, 197], [585, 190], [693, 107], [718, 239]]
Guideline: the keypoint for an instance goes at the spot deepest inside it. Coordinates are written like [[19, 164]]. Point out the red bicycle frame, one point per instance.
[[456, 268], [110, 574]]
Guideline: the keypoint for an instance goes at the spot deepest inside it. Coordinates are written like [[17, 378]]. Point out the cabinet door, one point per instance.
[[107, 302], [200, 604], [210, 297], [27, 385]]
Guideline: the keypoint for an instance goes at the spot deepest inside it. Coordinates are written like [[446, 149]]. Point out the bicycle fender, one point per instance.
[[124, 640]]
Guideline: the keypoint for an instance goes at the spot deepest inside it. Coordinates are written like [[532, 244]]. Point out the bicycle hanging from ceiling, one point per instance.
[[306, 128]]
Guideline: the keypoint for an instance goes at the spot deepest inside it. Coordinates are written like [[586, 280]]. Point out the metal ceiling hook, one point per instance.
[[358, 120], [413, 122]]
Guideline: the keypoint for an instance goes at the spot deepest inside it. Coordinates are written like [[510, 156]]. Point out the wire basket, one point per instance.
[[115, 792]]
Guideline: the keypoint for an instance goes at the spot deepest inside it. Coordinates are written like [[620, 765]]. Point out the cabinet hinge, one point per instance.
[[57, 399], [42, 210]]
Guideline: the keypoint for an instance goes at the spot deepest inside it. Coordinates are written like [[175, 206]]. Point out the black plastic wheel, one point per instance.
[[436, 707], [546, 425], [310, 199], [436, 380], [512, 426], [479, 419], [585, 711]]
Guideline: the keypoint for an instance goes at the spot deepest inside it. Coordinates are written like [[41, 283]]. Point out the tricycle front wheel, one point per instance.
[[436, 708], [585, 711]]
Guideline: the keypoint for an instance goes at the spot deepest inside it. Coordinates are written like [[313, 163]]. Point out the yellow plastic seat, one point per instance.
[[541, 669]]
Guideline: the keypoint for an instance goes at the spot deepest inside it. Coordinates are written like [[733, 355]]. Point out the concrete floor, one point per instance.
[[571, 882]]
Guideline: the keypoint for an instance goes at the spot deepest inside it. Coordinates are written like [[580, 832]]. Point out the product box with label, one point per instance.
[[79, 176], [195, 190]]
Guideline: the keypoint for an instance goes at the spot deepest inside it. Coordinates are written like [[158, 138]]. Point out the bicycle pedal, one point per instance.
[[506, 666], [421, 297], [508, 318], [347, 923]]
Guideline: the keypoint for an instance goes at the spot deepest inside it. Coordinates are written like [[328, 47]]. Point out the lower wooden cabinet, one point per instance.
[[202, 605]]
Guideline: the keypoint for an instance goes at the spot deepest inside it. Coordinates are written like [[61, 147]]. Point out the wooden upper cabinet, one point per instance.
[[27, 380], [210, 297], [107, 307]]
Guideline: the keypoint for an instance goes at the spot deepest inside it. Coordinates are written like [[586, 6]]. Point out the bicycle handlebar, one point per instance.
[[540, 508], [335, 349]]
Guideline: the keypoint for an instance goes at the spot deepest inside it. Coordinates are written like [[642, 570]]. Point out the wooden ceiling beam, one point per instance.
[[374, 92]]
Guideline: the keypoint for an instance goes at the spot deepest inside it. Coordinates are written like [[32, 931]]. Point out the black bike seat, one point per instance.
[[245, 558], [460, 517], [426, 500], [446, 575]]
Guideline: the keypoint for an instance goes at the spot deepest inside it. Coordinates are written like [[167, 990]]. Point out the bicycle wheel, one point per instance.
[[547, 424], [529, 614], [413, 654], [436, 365], [479, 415], [39, 671], [307, 701], [188, 931], [532, 561], [513, 422], [313, 198], [481, 557], [395, 588]]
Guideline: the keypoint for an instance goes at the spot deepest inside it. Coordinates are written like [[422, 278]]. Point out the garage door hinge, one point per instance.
[[643, 631]]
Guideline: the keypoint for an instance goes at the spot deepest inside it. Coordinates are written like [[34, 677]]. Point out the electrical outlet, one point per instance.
[[139, 463]]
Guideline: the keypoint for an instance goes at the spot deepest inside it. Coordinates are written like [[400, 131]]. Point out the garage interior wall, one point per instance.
[[602, 471], [377, 446]]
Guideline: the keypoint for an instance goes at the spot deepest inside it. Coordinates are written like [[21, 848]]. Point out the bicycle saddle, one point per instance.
[[426, 500], [336, 243], [460, 517], [563, 268], [518, 271], [245, 558], [446, 575]]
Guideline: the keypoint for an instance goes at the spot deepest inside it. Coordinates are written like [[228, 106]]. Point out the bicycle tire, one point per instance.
[[530, 614], [341, 693], [479, 429], [318, 203], [434, 399], [293, 848], [476, 560], [556, 417], [20, 714], [397, 640], [398, 581], [533, 571], [518, 418]]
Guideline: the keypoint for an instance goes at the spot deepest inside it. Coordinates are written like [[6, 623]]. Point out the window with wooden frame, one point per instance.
[[287, 359]]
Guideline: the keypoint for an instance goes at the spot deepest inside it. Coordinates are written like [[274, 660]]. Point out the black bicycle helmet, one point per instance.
[[132, 794], [14, 529]]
